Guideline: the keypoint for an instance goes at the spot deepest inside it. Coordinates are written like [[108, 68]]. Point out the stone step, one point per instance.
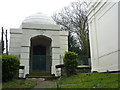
[[44, 77], [83, 68]]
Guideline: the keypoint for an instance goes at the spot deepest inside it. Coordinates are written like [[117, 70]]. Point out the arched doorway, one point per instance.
[[40, 54]]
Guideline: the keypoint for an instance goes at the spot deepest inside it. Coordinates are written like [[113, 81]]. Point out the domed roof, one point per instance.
[[39, 21], [39, 18]]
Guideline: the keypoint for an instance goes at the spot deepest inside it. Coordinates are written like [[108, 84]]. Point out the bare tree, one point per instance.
[[73, 18]]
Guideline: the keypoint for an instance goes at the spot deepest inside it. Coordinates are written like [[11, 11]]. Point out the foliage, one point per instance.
[[70, 62], [10, 67], [91, 80], [74, 19], [18, 84], [73, 44]]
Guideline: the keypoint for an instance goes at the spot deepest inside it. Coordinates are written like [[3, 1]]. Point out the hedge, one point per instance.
[[70, 61], [10, 67]]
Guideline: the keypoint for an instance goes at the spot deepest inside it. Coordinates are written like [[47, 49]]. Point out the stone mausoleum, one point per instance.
[[39, 43]]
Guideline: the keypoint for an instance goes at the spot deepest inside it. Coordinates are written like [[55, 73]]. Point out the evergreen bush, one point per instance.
[[70, 61], [10, 67]]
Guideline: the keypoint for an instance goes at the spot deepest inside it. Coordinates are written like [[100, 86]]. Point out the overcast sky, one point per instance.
[[13, 12]]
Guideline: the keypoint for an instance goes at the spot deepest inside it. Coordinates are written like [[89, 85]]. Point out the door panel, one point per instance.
[[38, 63]]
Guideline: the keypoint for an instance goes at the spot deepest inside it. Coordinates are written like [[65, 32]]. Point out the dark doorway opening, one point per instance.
[[40, 54], [39, 50]]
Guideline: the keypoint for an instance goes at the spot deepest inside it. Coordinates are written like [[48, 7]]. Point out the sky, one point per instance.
[[13, 12]]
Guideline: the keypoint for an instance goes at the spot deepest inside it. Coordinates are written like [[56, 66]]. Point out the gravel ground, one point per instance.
[[42, 83]]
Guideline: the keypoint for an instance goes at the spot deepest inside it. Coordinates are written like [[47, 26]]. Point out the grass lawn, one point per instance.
[[91, 80], [20, 83]]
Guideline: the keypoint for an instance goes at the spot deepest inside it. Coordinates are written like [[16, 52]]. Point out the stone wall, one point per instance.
[[20, 45]]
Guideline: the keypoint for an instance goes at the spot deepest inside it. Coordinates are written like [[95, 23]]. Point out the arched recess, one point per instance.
[[40, 54]]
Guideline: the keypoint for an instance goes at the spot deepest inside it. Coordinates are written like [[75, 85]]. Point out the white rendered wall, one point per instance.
[[119, 35], [103, 23], [15, 42]]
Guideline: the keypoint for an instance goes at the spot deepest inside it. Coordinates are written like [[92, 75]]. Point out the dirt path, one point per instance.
[[42, 83]]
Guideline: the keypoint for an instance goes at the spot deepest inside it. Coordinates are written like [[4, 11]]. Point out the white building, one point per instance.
[[39, 43], [104, 23]]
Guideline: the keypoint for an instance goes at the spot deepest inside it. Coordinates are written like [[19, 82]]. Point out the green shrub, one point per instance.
[[10, 67], [70, 62]]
